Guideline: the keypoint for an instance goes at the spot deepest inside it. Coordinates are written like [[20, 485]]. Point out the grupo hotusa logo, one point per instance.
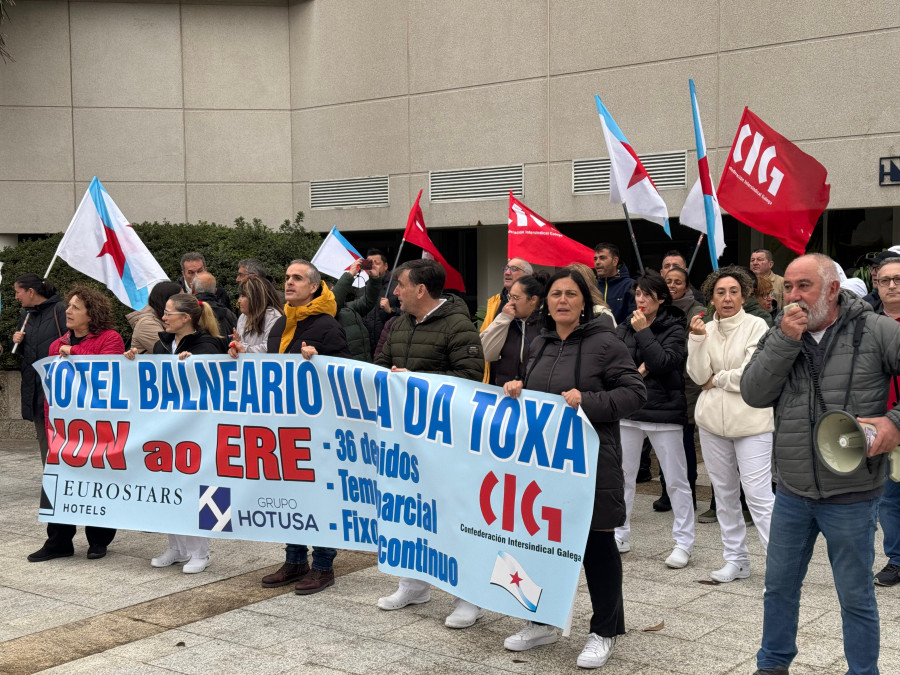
[[215, 508]]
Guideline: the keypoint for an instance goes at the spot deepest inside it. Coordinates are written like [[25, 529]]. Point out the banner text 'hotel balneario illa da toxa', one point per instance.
[[451, 482]]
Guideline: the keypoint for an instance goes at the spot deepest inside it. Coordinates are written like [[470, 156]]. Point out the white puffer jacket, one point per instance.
[[723, 353]]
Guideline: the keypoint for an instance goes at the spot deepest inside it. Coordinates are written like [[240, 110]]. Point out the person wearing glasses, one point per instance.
[[514, 269], [888, 283], [507, 340], [191, 328]]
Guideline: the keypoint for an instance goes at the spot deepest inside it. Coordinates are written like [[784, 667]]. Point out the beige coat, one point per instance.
[[722, 354], [145, 326]]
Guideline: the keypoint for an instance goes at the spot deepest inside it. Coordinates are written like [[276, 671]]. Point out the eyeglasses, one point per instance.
[[516, 298], [512, 268], [168, 313], [885, 282]]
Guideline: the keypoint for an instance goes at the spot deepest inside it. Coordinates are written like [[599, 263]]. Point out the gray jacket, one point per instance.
[[779, 375]]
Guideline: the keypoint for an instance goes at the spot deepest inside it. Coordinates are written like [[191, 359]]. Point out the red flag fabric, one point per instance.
[[416, 234], [534, 240], [773, 186]]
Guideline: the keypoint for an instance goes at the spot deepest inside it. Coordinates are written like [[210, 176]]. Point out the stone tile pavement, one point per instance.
[[118, 615]]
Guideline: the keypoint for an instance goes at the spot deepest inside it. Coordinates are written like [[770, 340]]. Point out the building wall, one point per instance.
[[214, 110]]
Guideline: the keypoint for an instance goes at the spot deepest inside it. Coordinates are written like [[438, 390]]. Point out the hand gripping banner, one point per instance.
[[449, 481]]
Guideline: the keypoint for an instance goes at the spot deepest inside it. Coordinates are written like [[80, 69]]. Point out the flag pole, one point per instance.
[[396, 260], [50, 266], [696, 250], [633, 239], [25, 322]]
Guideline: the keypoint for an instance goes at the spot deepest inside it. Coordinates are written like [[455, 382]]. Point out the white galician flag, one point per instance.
[[629, 182], [335, 256], [509, 574], [101, 243]]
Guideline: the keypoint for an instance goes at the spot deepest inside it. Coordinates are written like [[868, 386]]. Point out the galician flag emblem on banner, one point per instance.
[[101, 243], [629, 182], [335, 256], [509, 574]]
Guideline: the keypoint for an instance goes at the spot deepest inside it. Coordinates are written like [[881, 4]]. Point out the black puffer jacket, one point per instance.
[[661, 348], [199, 342], [446, 343], [594, 361], [321, 331], [46, 323]]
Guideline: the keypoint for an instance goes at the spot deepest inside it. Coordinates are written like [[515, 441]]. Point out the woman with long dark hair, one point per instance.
[[579, 357], [42, 321], [90, 331], [655, 337], [260, 308]]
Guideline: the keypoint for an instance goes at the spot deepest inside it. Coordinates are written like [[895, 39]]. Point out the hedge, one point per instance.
[[221, 245]]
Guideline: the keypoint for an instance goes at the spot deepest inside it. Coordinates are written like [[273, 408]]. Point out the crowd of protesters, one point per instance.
[[748, 363]]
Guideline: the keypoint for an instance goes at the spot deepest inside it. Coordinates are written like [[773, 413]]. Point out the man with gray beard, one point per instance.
[[827, 351]]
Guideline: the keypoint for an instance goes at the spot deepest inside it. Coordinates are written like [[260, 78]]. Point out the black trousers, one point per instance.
[[603, 570], [59, 535]]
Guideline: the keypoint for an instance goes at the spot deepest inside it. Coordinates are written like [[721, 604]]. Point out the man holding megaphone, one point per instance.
[[827, 352]]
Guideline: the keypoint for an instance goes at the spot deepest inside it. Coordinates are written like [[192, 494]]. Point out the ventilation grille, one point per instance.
[[493, 182], [666, 169], [349, 193]]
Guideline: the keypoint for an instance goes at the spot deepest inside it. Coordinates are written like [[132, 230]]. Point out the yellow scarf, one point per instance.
[[323, 304]]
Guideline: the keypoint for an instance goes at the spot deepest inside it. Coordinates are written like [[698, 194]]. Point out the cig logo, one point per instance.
[[767, 156]]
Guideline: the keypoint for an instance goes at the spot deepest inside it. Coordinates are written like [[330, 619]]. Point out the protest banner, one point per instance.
[[487, 497]]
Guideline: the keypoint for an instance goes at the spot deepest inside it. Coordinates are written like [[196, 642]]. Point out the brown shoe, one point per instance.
[[288, 574], [315, 581]]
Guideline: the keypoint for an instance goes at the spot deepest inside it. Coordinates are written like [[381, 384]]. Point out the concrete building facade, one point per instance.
[[212, 110]]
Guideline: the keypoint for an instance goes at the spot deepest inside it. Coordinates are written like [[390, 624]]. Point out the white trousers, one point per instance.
[[669, 447], [732, 462], [196, 547]]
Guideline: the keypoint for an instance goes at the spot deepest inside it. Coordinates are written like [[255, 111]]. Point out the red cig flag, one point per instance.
[[773, 186], [417, 234], [537, 241]]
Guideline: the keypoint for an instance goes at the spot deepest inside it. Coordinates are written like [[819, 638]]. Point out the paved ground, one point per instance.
[[118, 615]]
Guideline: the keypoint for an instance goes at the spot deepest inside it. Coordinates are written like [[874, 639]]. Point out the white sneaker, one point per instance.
[[596, 652], [623, 546], [196, 565], [531, 635], [730, 572], [678, 558], [169, 557], [464, 614], [403, 597]]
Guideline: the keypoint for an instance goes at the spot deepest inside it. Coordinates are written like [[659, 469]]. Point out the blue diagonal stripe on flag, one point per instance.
[[510, 575]]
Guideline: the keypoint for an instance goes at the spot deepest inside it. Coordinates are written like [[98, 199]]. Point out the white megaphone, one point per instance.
[[842, 443]]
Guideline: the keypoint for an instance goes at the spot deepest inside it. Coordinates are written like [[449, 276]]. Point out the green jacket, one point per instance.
[[350, 313], [779, 375], [751, 307], [446, 343]]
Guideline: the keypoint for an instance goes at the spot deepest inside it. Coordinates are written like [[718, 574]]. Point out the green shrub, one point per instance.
[[222, 247]]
